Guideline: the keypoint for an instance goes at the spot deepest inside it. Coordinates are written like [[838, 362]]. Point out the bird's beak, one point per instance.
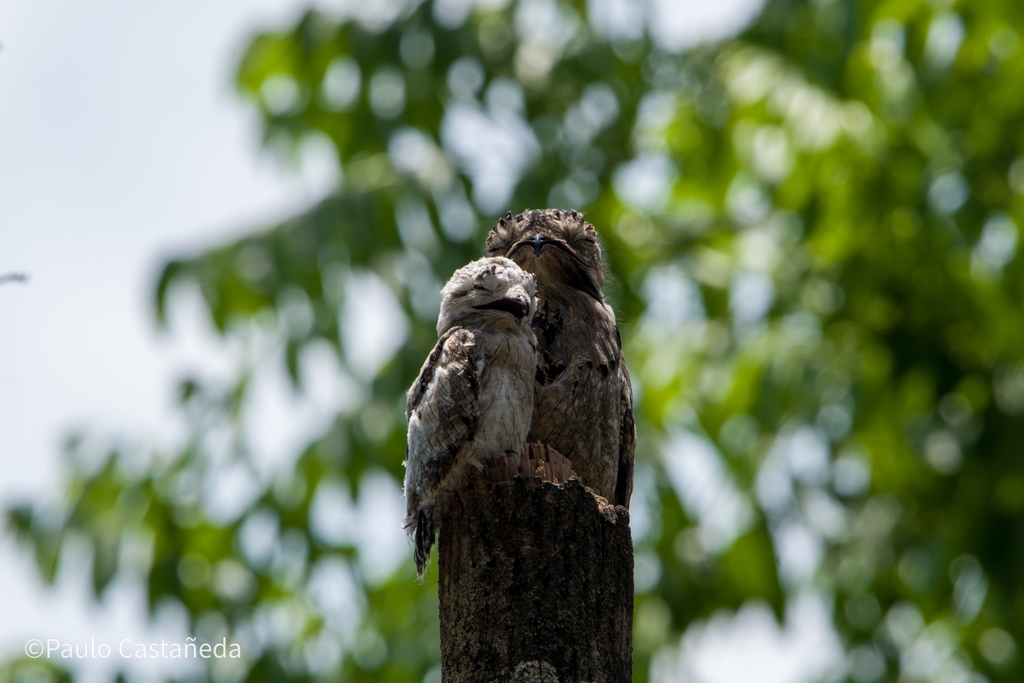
[[538, 242], [526, 310], [518, 307]]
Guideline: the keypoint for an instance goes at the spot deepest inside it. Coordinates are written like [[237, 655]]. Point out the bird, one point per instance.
[[583, 403], [473, 399]]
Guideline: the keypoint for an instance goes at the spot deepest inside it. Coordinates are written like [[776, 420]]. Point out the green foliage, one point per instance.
[[812, 236], [26, 669]]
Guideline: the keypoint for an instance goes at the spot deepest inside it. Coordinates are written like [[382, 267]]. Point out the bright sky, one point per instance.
[[121, 144]]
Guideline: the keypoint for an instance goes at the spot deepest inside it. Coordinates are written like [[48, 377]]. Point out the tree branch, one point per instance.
[[535, 584], [13, 277]]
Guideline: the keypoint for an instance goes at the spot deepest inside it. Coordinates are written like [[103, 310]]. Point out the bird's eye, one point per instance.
[[480, 288]]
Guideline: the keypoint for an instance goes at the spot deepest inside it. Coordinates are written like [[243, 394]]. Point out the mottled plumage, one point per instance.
[[473, 398], [583, 406]]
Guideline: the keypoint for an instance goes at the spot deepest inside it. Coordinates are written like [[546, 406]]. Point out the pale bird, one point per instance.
[[473, 399]]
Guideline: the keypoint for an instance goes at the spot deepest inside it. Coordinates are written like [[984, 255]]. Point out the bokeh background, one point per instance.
[[810, 211]]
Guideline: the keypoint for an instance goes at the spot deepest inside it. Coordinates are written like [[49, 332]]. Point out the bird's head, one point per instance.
[[493, 293], [558, 246]]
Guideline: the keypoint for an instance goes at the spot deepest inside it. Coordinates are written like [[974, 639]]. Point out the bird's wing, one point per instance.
[[627, 431], [442, 408]]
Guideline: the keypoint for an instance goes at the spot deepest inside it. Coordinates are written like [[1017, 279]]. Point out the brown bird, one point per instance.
[[583, 402]]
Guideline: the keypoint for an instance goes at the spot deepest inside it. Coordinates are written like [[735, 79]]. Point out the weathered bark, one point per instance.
[[536, 584]]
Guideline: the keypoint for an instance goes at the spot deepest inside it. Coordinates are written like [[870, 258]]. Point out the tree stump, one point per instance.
[[535, 582]]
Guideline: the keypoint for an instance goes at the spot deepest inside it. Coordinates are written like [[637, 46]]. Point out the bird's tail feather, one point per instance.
[[423, 540]]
